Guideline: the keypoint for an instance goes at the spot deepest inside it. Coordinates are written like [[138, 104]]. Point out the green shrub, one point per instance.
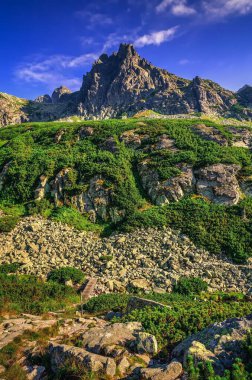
[[64, 274], [74, 218], [107, 302], [190, 286], [7, 223], [31, 295], [184, 317], [206, 371], [9, 268], [216, 228]]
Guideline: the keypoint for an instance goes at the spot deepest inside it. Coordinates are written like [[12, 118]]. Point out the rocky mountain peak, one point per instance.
[[125, 83], [58, 95], [44, 99], [126, 51], [245, 95]]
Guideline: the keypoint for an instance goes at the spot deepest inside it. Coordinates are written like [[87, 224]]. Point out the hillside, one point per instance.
[[157, 213], [123, 84], [194, 175]]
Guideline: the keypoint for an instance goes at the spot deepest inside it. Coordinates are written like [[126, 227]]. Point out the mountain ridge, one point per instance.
[[123, 84]]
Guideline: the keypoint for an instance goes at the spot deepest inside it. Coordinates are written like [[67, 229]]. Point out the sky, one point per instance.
[[48, 43]]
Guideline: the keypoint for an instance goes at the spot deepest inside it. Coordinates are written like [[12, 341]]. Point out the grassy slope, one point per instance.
[[32, 151]]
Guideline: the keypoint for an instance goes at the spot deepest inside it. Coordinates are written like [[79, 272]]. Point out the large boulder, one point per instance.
[[219, 184], [164, 191], [147, 343], [60, 353], [171, 371], [106, 338], [219, 343]]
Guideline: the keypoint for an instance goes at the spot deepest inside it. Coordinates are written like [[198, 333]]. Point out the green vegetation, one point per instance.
[[186, 315], [107, 302], [31, 151], [7, 223], [13, 351], [62, 275], [214, 227], [190, 285], [9, 268], [31, 295]]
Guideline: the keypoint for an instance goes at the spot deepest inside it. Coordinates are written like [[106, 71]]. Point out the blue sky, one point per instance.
[[45, 44]]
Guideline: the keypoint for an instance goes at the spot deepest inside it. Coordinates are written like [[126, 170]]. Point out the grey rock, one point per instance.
[[220, 343]]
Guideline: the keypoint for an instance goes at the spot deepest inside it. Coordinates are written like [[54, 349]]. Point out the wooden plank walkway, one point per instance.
[[88, 289]]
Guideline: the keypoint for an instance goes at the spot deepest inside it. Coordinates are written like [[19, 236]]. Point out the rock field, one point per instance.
[[149, 259]]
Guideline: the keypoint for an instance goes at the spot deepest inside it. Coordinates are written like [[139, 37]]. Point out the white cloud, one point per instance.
[[182, 10], [223, 8], [114, 39], [156, 38], [54, 70], [176, 7], [184, 61], [161, 7]]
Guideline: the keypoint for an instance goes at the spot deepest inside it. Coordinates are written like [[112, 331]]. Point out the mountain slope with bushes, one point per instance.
[[191, 174]]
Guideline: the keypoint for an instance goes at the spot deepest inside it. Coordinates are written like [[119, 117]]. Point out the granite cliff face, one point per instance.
[[124, 84]]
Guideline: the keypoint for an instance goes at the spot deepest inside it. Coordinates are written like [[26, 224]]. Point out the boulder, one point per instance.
[[123, 365], [220, 343], [139, 284], [147, 343], [97, 339], [42, 188], [59, 353], [218, 183], [171, 371]]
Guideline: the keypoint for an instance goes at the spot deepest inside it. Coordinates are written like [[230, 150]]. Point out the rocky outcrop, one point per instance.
[[42, 188], [96, 200], [217, 183], [172, 189], [220, 343], [245, 95], [43, 99], [170, 371], [60, 95], [12, 109], [241, 137], [15, 327], [3, 175], [60, 354], [211, 134], [158, 256]]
